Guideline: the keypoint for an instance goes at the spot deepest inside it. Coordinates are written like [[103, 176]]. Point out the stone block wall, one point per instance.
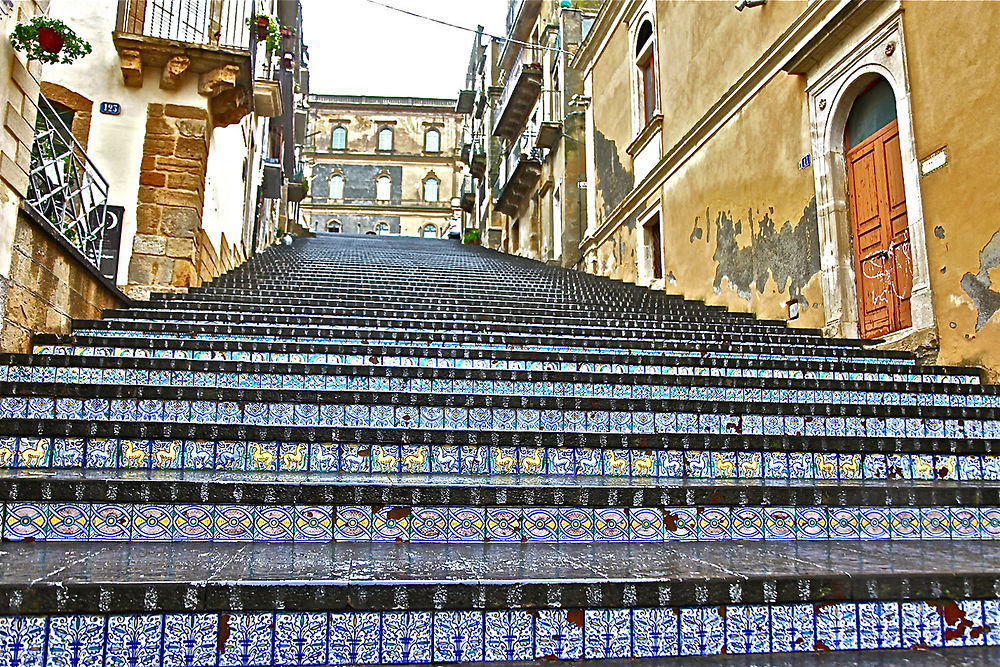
[[167, 244], [47, 288]]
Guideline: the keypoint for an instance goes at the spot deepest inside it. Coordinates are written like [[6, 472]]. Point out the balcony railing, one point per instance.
[[217, 23], [519, 173], [64, 186], [369, 203], [519, 95]]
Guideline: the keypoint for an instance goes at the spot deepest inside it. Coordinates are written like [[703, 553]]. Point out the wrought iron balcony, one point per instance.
[[521, 172], [65, 189], [518, 98], [191, 21]]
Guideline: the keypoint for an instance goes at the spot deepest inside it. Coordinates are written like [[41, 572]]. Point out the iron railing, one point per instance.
[[65, 187], [523, 149], [210, 22], [417, 203]]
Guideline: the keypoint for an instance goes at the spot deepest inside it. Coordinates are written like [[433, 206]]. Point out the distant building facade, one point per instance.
[[388, 165]]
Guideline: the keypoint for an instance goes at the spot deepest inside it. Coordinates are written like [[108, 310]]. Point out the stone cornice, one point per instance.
[[788, 46]]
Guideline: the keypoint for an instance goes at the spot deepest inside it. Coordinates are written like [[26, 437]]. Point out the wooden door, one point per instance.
[[882, 259]]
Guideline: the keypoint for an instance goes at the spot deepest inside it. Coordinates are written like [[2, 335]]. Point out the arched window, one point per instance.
[[383, 188], [432, 141], [645, 62], [385, 139], [337, 186], [430, 231], [333, 226], [431, 187], [382, 228], [338, 138]]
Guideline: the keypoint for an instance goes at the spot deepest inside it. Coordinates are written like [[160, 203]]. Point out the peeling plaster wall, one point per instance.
[[738, 223], [954, 97]]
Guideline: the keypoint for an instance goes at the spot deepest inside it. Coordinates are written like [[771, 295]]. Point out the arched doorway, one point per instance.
[[880, 234]]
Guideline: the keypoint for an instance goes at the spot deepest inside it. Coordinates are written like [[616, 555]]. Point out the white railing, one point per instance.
[[65, 187]]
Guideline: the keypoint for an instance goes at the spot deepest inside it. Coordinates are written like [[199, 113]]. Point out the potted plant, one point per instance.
[[266, 29], [48, 41], [471, 236]]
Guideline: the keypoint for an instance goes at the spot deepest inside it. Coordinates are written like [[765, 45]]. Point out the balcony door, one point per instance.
[[183, 20]]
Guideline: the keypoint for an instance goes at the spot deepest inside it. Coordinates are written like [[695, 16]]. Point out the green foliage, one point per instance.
[[273, 39], [25, 38], [471, 236]]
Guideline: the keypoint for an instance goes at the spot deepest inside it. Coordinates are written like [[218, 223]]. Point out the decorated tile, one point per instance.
[[234, 523], [589, 461], [746, 629], [262, 456], [34, 452], [702, 631], [391, 524], [836, 626], [190, 640], [645, 524], [775, 465], [792, 628], [445, 459], [989, 522], [384, 458], [964, 622], [300, 638], [133, 640], [429, 524], [475, 460], [576, 524], [680, 523], [748, 523], [876, 523], [540, 524], [608, 633], [504, 460], [724, 465], [655, 632], [811, 523], [780, 523], [509, 635], [415, 458], [274, 523], [878, 625], [248, 640], [503, 524], [68, 521], [353, 524], [611, 524], [714, 523], [230, 455], [77, 641], [749, 465], [920, 625], [905, 523], [353, 457], [458, 636], [167, 454], [26, 520], [111, 522]]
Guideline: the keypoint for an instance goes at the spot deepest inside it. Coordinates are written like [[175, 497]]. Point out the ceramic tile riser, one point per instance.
[[373, 450]]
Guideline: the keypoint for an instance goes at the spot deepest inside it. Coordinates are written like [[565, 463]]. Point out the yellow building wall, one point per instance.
[[953, 61]]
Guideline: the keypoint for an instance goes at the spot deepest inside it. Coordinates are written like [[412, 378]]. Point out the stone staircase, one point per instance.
[[375, 450]]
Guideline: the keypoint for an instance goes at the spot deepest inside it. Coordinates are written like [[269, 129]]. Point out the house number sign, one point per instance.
[[111, 108]]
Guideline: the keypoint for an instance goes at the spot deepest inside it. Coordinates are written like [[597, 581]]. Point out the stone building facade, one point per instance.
[[388, 165], [822, 163], [526, 133]]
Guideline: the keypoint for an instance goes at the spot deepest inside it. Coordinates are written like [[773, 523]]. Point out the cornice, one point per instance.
[[610, 15]]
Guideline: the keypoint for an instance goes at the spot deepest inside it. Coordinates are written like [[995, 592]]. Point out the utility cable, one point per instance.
[[466, 29]]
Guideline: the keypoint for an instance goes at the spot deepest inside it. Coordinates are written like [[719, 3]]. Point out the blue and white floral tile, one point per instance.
[[702, 631], [920, 625], [508, 635], [746, 629], [78, 641], [458, 636], [190, 640], [655, 632], [133, 640], [558, 634], [836, 626], [608, 633], [792, 628], [248, 641], [300, 639]]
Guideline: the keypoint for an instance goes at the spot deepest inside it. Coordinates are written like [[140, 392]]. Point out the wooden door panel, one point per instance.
[[883, 267]]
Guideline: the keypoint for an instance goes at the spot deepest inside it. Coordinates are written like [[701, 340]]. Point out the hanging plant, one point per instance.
[[49, 41], [266, 29]]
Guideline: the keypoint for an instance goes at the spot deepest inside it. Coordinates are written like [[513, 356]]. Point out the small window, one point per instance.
[[432, 141], [385, 139], [337, 186], [382, 228], [383, 188], [646, 65], [338, 138], [430, 231], [431, 186]]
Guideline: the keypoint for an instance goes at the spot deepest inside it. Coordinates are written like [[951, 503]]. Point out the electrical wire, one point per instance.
[[466, 29]]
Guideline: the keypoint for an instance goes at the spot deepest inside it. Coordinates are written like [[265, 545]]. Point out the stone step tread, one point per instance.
[[49, 577]]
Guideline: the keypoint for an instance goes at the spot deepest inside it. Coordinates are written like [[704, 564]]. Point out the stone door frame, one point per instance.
[[875, 47]]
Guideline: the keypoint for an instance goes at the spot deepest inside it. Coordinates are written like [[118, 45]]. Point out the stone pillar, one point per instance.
[[171, 199]]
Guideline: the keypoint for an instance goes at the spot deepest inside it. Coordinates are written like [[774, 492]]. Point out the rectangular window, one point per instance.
[[648, 91]]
